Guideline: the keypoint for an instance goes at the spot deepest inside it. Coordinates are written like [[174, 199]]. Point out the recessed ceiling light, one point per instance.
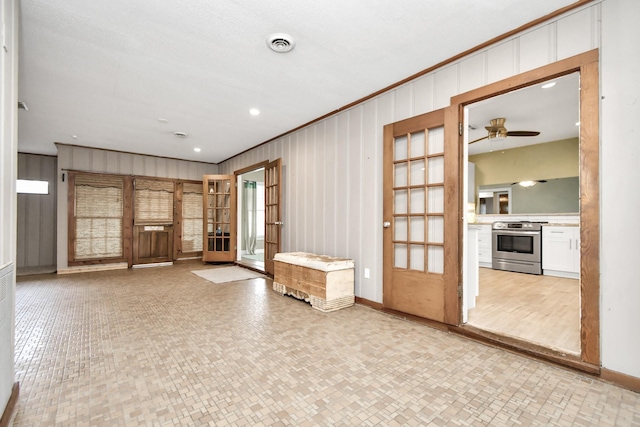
[[74, 136], [197, 149], [161, 120], [548, 85], [254, 111], [280, 42]]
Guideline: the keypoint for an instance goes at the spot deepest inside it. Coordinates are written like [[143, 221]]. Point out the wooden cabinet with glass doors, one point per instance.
[[219, 218]]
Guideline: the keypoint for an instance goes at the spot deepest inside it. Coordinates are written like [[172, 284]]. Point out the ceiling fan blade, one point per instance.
[[522, 133], [479, 139]]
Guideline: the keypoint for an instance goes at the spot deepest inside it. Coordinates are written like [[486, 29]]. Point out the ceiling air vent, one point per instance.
[[180, 134], [281, 43]]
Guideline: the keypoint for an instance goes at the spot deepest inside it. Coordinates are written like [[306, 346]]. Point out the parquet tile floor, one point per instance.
[[163, 347]]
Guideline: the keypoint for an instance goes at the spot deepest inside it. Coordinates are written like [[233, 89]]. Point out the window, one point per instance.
[[96, 225], [191, 217], [153, 202], [30, 186]]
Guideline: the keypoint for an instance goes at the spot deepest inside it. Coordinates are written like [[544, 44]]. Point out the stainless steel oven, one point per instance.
[[517, 246]]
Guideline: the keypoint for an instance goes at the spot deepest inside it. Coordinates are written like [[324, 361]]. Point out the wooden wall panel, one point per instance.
[[471, 73], [343, 186], [423, 94], [572, 37], [113, 164], [371, 204], [535, 48], [330, 184], [36, 221], [403, 102], [305, 181], [81, 159], [501, 62], [98, 161], [137, 167], [319, 190], [125, 164], [445, 86], [150, 168], [354, 178]]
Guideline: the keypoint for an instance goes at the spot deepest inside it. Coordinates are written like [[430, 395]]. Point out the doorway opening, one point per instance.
[[581, 262], [535, 165], [251, 218]]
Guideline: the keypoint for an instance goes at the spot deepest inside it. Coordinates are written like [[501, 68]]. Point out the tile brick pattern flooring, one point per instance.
[[163, 347]]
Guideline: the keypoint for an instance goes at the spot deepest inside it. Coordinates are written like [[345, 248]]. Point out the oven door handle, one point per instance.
[[528, 233]]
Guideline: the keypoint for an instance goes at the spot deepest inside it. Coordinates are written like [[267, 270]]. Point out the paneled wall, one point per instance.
[[36, 233], [72, 157], [8, 174], [620, 174], [333, 169]]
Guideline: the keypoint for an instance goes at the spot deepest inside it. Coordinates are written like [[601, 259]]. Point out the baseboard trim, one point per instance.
[[95, 267], [8, 414], [623, 380], [369, 303]]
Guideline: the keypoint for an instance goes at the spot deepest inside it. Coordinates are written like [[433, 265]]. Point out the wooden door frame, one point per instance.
[[247, 169], [588, 66]]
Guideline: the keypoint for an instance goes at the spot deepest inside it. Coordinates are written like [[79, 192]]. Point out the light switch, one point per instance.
[[367, 273]]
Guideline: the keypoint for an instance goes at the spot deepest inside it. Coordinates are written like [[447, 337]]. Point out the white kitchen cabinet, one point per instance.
[[561, 251], [484, 245]]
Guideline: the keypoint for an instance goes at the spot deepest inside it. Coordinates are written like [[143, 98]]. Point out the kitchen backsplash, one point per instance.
[[552, 219]]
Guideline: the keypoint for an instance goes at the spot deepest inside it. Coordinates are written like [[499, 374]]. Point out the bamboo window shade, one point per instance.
[[153, 202], [98, 211], [191, 217]]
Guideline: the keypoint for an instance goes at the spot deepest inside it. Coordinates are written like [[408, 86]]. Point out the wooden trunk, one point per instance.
[[325, 282]]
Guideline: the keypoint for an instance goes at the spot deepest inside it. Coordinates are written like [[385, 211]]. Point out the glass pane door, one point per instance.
[[219, 217]]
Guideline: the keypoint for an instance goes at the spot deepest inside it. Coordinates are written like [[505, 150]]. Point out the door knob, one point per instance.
[[279, 223], [386, 224]]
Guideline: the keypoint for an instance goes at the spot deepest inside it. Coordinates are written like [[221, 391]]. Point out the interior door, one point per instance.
[[153, 221], [152, 243], [273, 213], [219, 218], [420, 265]]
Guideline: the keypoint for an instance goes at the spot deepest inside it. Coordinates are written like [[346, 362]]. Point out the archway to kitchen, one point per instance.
[[490, 318]]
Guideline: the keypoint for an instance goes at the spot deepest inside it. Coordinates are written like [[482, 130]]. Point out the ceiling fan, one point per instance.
[[496, 129]]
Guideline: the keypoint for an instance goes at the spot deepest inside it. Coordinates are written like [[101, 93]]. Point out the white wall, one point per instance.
[[8, 166], [333, 169], [93, 160], [620, 172]]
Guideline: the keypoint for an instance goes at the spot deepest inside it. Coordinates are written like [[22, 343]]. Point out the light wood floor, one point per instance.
[[541, 309]]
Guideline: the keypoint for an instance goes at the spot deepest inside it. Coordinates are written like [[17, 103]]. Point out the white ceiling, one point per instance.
[[105, 71]]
